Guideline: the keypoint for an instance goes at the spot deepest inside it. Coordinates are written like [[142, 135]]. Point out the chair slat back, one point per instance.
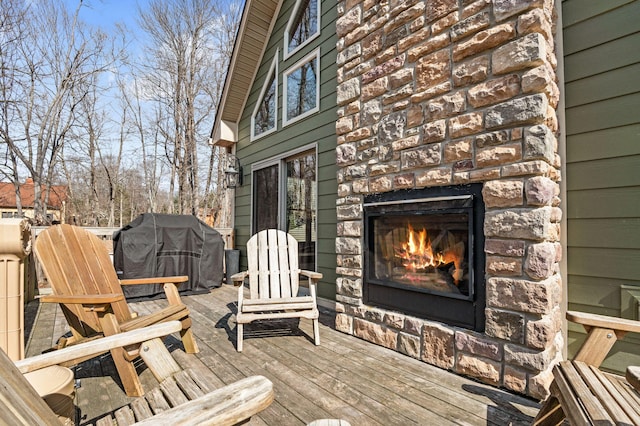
[[76, 262], [273, 265], [20, 404]]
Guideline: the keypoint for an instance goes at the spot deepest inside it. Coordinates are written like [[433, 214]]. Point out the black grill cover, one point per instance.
[[163, 245]]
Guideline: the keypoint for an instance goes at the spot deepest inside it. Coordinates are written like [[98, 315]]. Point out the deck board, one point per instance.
[[344, 377]]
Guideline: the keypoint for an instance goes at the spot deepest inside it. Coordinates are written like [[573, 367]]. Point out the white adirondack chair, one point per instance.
[[274, 278]]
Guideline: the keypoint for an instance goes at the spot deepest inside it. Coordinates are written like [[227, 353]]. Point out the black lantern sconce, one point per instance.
[[233, 172]]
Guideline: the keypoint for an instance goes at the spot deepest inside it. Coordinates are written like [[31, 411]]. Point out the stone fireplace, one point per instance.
[[435, 96]]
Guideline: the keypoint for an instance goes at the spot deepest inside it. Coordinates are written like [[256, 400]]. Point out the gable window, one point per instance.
[[301, 88], [303, 26], [263, 120]]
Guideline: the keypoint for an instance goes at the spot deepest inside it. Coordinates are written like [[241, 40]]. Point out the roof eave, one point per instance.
[[225, 127], [225, 134]]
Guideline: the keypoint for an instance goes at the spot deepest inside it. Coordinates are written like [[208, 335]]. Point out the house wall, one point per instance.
[[602, 94], [28, 213], [319, 129]]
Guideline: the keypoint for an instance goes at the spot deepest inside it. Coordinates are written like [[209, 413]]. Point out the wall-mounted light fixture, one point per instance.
[[233, 172]]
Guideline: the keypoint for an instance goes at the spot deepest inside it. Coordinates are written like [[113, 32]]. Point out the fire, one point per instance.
[[417, 252]]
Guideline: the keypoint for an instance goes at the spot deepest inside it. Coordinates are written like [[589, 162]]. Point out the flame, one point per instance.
[[417, 253]]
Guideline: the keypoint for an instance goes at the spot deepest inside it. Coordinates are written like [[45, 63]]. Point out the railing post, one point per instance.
[[15, 245]]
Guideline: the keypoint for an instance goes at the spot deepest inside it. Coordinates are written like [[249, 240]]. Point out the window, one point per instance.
[[285, 197], [263, 120], [301, 87], [303, 26]]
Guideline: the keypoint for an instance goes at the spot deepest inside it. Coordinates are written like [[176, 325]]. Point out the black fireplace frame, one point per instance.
[[465, 311]]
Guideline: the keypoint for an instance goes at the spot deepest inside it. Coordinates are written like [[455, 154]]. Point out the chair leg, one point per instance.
[[239, 330], [316, 332], [126, 369], [189, 341], [127, 372], [550, 413]]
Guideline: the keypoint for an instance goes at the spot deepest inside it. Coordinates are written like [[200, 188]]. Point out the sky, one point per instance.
[[106, 13]]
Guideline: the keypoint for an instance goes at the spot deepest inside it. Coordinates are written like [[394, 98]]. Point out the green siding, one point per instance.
[[622, 52], [613, 203], [604, 113], [602, 94], [619, 172], [606, 143], [607, 22], [318, 128], [605, 233]]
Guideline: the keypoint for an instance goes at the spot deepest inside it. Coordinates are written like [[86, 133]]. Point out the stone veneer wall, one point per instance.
[[444, 92]]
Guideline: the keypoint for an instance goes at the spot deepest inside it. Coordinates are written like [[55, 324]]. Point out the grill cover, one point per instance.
[[163, 245]]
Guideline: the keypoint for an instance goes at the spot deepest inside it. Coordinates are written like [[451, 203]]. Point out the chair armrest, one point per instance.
[[228, 405], [98, 346], [633, 376], [91, 299], [313, 278], [601, 321], [602, 333], [155, 280], [311, 274], [239, 277]]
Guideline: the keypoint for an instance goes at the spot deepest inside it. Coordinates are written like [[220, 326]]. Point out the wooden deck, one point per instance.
[[344, 377]]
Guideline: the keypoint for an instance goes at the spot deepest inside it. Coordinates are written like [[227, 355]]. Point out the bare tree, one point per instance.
[[132, 104], [12, 33], [54, 73], [215, 199], [53, 118], [184, 59]]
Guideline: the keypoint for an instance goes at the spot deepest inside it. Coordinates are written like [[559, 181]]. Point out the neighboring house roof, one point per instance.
[[57, 196], [258, 19]]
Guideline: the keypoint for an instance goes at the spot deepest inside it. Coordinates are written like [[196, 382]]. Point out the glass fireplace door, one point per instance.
[[424, 253]]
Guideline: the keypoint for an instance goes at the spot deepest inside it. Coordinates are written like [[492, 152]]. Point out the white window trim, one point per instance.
[[315, 55], [287, 31], [273, 70]]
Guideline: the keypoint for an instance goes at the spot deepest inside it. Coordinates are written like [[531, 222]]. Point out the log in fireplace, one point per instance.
[[425, 253]]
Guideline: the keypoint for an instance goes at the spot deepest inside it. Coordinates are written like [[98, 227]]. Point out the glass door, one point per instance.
[[285, 197], [265, 198], [301, 206]]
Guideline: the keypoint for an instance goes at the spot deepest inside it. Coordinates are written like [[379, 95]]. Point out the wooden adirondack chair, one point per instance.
[[191, 400], [274, 279], [84, 282], [581, 392]]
